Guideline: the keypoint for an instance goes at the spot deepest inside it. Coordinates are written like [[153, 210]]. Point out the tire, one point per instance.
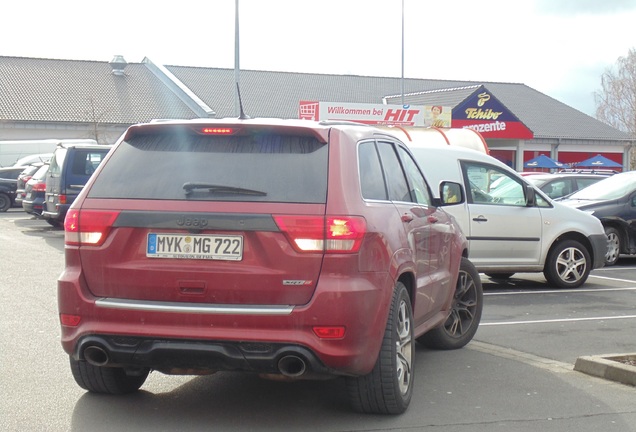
[[54, 223], [568, 265], [5, 202], [500, 276], [463, 321], [613, 246], [389, 387], [107, 380]]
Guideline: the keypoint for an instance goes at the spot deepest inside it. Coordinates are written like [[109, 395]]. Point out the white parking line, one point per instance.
[[612, 279], [615, 268], [578, 290], [481, 324]]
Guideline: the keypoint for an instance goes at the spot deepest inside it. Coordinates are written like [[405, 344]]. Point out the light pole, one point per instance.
[[402, 53], [237, 110]]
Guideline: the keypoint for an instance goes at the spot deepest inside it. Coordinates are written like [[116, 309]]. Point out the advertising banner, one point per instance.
[[376, 114]]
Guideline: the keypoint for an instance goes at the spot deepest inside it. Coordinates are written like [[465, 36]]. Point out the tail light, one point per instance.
[[61, 199], [88, 227], [330, 234], [39, 187]]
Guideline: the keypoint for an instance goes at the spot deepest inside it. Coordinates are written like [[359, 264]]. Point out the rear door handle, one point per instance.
[[480, 219]]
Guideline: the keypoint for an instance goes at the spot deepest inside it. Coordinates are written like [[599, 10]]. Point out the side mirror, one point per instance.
[[531, 198], [451, 193]]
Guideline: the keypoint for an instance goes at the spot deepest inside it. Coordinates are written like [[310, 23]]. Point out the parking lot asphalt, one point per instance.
[[615, 366], [519, 373]]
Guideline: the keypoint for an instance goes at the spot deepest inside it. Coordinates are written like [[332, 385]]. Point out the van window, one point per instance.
[[490, 185], [86, 161]]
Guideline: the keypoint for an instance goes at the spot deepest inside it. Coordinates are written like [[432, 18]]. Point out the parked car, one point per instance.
[[70, 168], [23, 178], [562, 184], [513, 227], [8, 186], [35, 190], [34, 158], [613, 201], [293, 249]]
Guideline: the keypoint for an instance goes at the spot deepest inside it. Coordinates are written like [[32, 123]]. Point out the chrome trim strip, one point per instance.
[[175, 307]]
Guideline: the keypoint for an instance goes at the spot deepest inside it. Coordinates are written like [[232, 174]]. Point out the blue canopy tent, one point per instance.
[[598, 161], [543, 161]]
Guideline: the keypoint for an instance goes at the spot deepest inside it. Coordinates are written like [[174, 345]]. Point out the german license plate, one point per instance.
[[194, 246]]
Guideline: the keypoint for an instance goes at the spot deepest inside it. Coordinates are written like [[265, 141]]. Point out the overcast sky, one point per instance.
[[558, 47]]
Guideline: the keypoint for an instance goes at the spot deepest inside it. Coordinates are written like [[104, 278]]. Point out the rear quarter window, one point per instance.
[[260, 167]]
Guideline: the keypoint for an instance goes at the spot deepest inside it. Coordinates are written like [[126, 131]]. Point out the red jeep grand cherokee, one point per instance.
[[281, 247]]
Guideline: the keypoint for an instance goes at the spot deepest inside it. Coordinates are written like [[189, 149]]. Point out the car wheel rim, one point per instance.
[[612, 247], [404, 345], [571, 265], [464, 305]]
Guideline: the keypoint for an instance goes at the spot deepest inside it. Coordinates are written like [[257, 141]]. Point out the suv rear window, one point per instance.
[[257, 167]]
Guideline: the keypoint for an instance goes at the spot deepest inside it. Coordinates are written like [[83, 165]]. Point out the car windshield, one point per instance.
[[40, 174], [538, 181], [610, 188]]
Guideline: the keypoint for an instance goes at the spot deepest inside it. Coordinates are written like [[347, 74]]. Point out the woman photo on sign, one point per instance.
[[435, 120]]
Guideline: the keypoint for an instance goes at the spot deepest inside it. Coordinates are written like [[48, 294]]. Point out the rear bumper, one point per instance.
[[599, 249], [173, 337], [33, 207], [173, 356], [59, 214]]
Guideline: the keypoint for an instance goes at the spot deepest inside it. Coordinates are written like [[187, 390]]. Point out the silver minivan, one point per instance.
[[511, 226]]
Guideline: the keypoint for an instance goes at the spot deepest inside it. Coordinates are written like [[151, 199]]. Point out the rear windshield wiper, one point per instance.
[[221, 189]]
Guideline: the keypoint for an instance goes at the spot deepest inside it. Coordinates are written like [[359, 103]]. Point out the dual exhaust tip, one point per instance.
[[96, 355], [291, 365]]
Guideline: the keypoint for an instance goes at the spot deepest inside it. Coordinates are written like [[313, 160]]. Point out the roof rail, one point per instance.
[[587, 171]]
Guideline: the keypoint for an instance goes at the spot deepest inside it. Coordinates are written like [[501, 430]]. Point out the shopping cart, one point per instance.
[[308, 110]]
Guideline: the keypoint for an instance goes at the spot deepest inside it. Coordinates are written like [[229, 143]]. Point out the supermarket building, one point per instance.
[[52, 98]]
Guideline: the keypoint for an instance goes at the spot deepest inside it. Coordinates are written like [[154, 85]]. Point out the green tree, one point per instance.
[[616, 101]]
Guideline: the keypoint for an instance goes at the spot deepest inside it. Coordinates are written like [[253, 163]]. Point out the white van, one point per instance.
[[513, 227], [20, 151]]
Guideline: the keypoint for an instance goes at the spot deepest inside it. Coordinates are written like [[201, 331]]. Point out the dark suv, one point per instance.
[[292, 249], [613, 201], [8, 186], [70, 168]]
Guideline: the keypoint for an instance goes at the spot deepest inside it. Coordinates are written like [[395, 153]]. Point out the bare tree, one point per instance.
[[616, 101], [94, 118]]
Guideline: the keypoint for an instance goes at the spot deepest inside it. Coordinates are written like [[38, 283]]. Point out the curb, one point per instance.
[[613, 367]]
